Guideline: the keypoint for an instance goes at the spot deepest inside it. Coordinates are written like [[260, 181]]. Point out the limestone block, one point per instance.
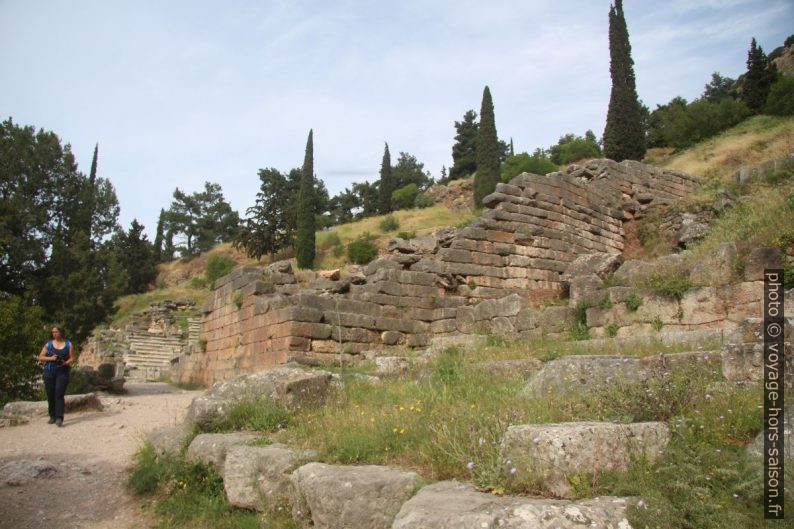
[[443, 326], [555, 319], [702, 305], [417, 340], [743, 300], [391, 337], [170, 439], [258, 477], [491, 308], [717, 267], [556, 453], [632, 272], [211, 448], [760, 259], [527, 319], [340, 497], [600, 264], [585, 288]]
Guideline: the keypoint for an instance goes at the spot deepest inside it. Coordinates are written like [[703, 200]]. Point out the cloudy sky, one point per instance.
[[181, 92]]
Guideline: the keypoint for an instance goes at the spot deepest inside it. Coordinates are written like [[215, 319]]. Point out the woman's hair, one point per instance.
[[60, 329]]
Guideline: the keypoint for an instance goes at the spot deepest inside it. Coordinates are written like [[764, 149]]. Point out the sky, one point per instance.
[[177, 93]]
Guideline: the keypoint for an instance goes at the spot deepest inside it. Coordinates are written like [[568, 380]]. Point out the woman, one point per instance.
[[57, 357]]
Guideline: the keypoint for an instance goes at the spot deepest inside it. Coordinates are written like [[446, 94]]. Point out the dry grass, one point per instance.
[[178, 271], [752, 142]]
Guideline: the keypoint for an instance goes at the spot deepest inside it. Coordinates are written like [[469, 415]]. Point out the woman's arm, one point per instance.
[[43, 355], [69, 356]]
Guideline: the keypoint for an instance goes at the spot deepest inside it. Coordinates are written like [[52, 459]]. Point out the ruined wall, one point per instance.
[[486, 277]]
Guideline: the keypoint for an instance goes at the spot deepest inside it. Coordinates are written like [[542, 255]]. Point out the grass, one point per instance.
[[128, 305], [190, 494], [419, 221]]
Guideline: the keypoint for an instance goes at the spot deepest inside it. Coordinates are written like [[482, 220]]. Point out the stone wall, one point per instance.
[[485, 278]]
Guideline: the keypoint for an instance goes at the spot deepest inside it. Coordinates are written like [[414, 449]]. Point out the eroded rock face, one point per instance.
[[555, 453], [717, 267], [350, 497], [211, 448], [258, 477], [455, 505], [285, 385]]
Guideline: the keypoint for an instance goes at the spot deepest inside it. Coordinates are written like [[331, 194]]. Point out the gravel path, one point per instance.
[[82, 467]]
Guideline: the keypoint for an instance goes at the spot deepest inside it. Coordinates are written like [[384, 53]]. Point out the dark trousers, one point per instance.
[[55, 386]]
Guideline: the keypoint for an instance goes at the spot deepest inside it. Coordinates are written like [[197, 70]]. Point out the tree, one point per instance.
[[367, 196], [780, 101], [304, 244], [203, 219], [464, 151], [158, 238], [135, 256], [719, 88], [758, 79], [624, 136], [21, 336], [408, 170], [488, 151], [522, 162], [343, 205], [386, 183], [266, 229], [571, 148]]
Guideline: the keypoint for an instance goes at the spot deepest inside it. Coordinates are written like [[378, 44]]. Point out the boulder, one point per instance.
[[633, 272], [455, 505], [19, 472], [170, 439], [492, 308], [390, 366], [211, 448], [281, 267], [760, 259], [717, 267], [332, 275], [39, 408], [692, 229], [287, 386], [555, 453], [599, 264], [585, 288], [575, 374], [258, 477], [342, 497]]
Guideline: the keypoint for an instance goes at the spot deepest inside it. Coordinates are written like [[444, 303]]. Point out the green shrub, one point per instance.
[[612, 330], [780, 101], [633, 301], [361, 252], [388, 223], [407, 235], [404, 197], [579, 331], [657, 324], [605, 303], [218, 266], [21, 337], [669, 282], [338, 250], [423, 200], [198, 282], [788, 275]]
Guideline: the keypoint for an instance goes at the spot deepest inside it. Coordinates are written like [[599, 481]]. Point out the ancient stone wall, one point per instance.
[[486, 277]]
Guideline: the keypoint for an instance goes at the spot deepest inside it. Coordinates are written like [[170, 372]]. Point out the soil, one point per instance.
[[92, 454]]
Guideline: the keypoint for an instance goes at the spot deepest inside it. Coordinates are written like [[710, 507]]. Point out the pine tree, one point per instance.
[[624, 136], [488, 152], [464, 152], [304, 244], [386, 184], [758, 79]]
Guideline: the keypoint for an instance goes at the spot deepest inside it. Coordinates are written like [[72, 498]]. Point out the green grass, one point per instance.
[[252, 415], [190, 495]]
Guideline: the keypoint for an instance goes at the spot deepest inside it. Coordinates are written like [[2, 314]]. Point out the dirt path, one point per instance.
[[86, 462]]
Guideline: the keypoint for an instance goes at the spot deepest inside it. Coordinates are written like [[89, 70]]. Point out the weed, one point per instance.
[[605, 303], [472, 284], [218, 266], [669, 282], [612, 330], [496, 341], [202, 343], [633, 301], [198, 282], [680, 314], [388, 223], [657, 324], [238, 299], [407, 235], [579, 331], [254, 415]]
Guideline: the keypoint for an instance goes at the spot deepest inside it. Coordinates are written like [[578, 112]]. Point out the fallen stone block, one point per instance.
[[258, 477], [39, 408], [553, 454], [211, 448], [341, 497], [454, 505]]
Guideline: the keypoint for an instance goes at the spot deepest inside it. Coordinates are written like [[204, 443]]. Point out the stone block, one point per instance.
[[558, 453], [760, 259], [211, 448], [337, 496], [716, 267]]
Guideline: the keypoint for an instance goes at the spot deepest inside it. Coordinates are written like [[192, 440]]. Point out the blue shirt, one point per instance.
[[50, 368]]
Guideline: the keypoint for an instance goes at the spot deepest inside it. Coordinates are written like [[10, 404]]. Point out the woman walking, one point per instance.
[[57, 357]]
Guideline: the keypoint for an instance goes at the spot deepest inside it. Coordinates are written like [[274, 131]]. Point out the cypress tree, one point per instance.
[[304, 244], [487, 152], [386, 186], [158, 237], [758, 79], [624, 136]]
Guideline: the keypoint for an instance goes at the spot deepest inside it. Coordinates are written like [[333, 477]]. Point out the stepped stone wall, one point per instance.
[[486, 277]]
